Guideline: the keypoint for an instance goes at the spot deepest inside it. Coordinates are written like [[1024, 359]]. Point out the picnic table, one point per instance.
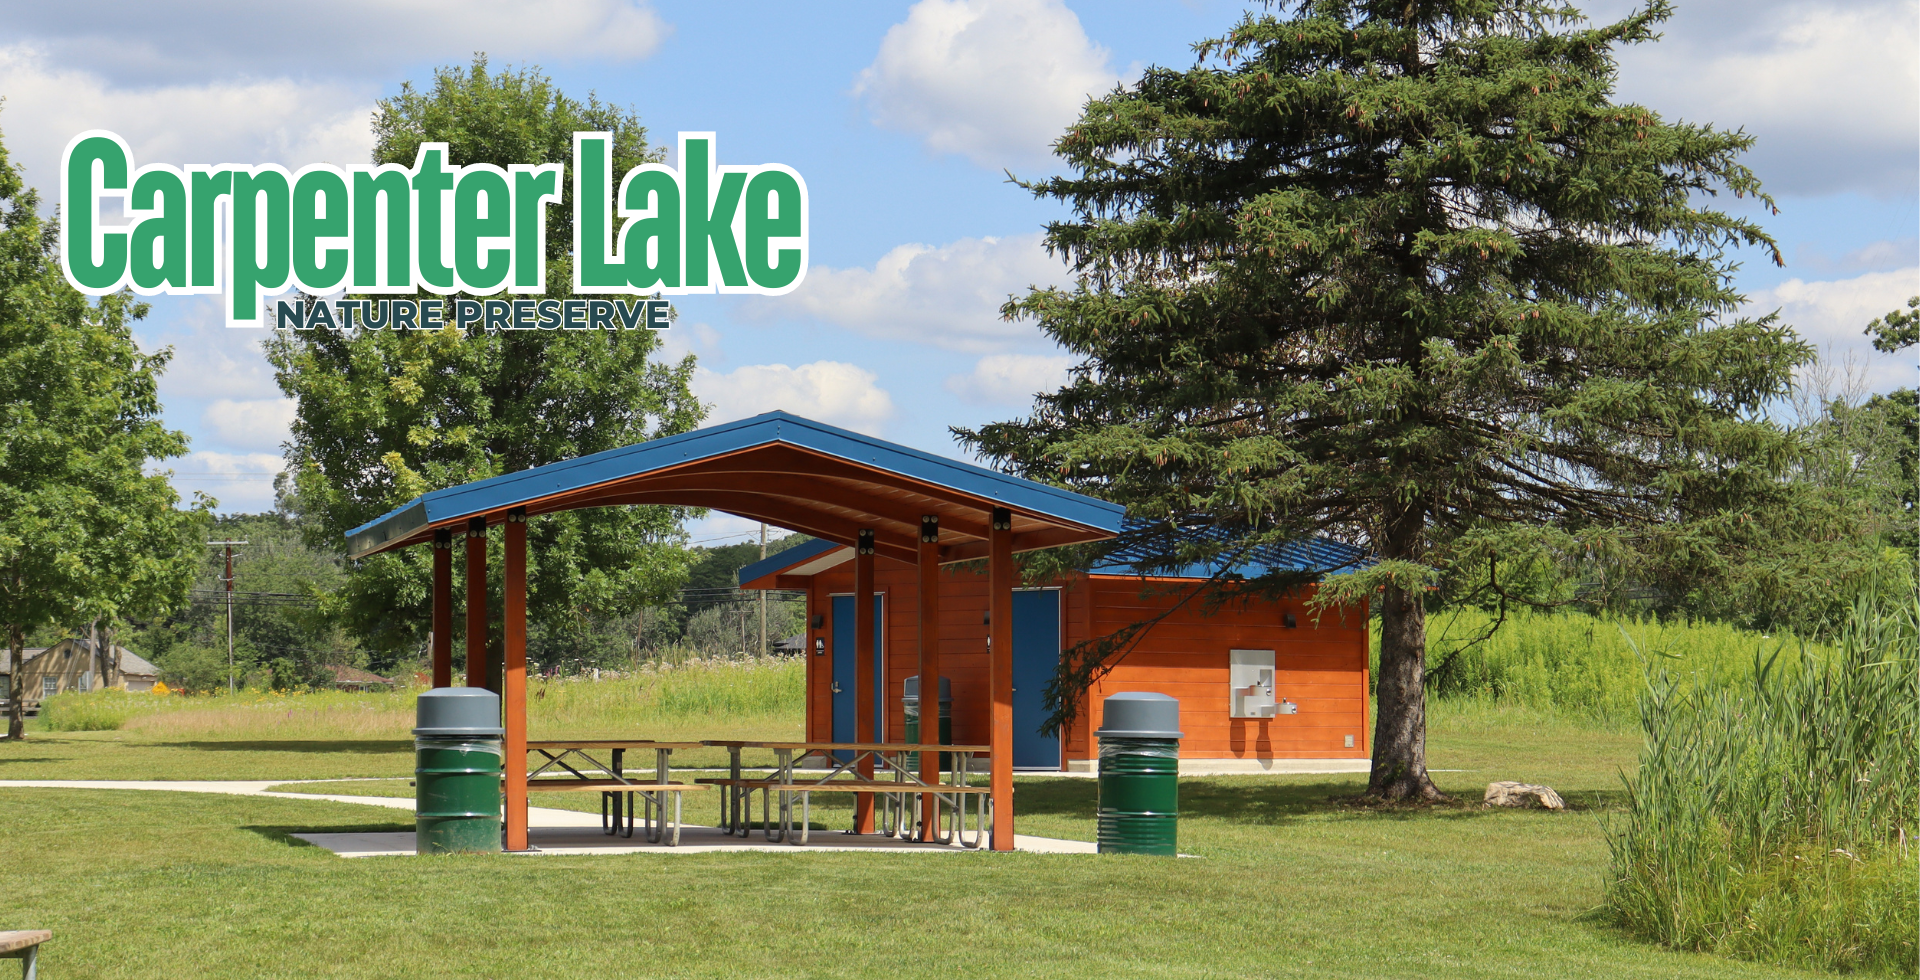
[[574, 756], [910, 801], [24, 945]]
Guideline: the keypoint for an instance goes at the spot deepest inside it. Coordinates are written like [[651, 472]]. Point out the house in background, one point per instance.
[[75, 665]]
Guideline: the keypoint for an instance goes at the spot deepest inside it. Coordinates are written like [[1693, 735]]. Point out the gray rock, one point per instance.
[[1523, 794]]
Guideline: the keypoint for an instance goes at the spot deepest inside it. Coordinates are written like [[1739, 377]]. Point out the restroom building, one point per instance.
[[1258, 681]]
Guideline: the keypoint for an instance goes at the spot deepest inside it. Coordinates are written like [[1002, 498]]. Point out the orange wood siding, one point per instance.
[[1319, 666]]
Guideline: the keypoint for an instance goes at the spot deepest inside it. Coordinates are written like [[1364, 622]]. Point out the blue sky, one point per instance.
[[904, 119]]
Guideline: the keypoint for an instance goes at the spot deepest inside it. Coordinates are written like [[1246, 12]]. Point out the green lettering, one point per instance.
[[471, 222], [710, 221], [83, 197], [592, 201], [773, 211], [532, 191], [661, 231], [209, 186], [250, 274], [164, 233], [367, 188], [319, 211], [430, 181]]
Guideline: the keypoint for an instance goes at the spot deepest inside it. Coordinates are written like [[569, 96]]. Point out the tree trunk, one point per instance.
[[110, 667], [1400, 712], [17, 697]]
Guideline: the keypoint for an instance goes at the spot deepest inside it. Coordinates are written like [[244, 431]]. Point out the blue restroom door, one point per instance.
[[840, 625], [1036, 657]]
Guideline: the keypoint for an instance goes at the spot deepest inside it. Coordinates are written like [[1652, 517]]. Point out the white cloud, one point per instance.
[[1829, 88], [241, 482], [258, 423], [827, 391], [272, 121], [160, 42], [948, 296], [995, 80], [208, 358], [1833, 316], [1011, 379]]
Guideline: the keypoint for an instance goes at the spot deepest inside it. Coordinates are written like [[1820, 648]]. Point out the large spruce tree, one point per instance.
[[1404, 273]]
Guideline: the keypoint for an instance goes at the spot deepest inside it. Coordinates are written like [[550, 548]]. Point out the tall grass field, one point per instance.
[[1590, 668], [668, 696], [1772, 816]]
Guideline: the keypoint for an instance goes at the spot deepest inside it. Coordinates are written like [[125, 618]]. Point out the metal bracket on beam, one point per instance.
[[443, 539], [1002, 519], [930, 528], [476, 527], [518, 515], [864, 541]]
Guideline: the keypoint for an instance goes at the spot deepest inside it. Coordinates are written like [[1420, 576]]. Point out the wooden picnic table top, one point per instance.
[[598, 743], [604, 786], [18, 939], [853, 785], [854, 746]]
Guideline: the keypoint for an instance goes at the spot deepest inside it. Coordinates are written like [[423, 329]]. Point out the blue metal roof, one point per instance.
[[1317, 555], [1137, 548], [409, 524], [786, 559]]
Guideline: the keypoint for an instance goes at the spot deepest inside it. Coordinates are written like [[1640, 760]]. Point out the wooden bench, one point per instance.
[[903, 796], [24, 945], [652, 794]]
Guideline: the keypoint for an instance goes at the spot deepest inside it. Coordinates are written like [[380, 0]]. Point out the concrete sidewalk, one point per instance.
[[550, 831]]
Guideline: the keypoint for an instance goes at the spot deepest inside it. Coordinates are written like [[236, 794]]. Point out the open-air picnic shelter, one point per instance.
[[880, 499]]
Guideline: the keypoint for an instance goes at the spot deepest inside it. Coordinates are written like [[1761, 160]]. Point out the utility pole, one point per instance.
[[763, 593], [228, 578]]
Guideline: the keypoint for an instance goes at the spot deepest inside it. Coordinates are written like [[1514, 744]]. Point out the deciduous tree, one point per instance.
[[384, 416], [85, 532]]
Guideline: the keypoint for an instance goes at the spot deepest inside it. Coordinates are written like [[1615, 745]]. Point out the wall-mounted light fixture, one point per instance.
[[1289, 621], [819, 620]]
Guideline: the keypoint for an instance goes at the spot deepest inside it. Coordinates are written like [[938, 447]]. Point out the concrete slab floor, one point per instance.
[[550, 831]]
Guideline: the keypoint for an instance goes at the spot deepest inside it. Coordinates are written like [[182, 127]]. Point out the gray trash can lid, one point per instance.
[[1140, 714], [910, 688], [458, 711]]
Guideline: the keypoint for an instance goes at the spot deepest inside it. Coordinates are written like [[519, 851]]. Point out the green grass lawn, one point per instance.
[[1287, 881]]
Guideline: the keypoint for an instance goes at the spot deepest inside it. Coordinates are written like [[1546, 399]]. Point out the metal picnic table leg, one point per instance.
[[732, 820]]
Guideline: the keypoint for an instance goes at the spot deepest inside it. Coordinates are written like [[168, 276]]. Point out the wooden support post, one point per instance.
[[929, 664], [1000, 582], [863, 648], [513, 680], [477, 602], [443, 608]]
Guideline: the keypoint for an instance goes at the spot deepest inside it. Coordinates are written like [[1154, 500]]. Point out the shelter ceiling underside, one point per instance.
[[822, 496]]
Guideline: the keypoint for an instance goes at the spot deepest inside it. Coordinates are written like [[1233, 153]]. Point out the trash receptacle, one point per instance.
[[456, 772], [1139, 809], [910, 707]]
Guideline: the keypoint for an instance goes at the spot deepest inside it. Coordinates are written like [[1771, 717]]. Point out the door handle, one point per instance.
[[835, 687]]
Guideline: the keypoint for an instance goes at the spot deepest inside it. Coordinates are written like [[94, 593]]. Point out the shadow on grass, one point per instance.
[[1271, 804], [363, 747], [22, 760], [284, 835]]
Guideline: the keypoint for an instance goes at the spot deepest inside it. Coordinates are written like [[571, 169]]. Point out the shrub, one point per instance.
[[93, 711], [1772, 817]]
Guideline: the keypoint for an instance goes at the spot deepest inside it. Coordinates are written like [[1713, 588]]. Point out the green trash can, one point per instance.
[[456, 772], [1139, 809], [910, 706]]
